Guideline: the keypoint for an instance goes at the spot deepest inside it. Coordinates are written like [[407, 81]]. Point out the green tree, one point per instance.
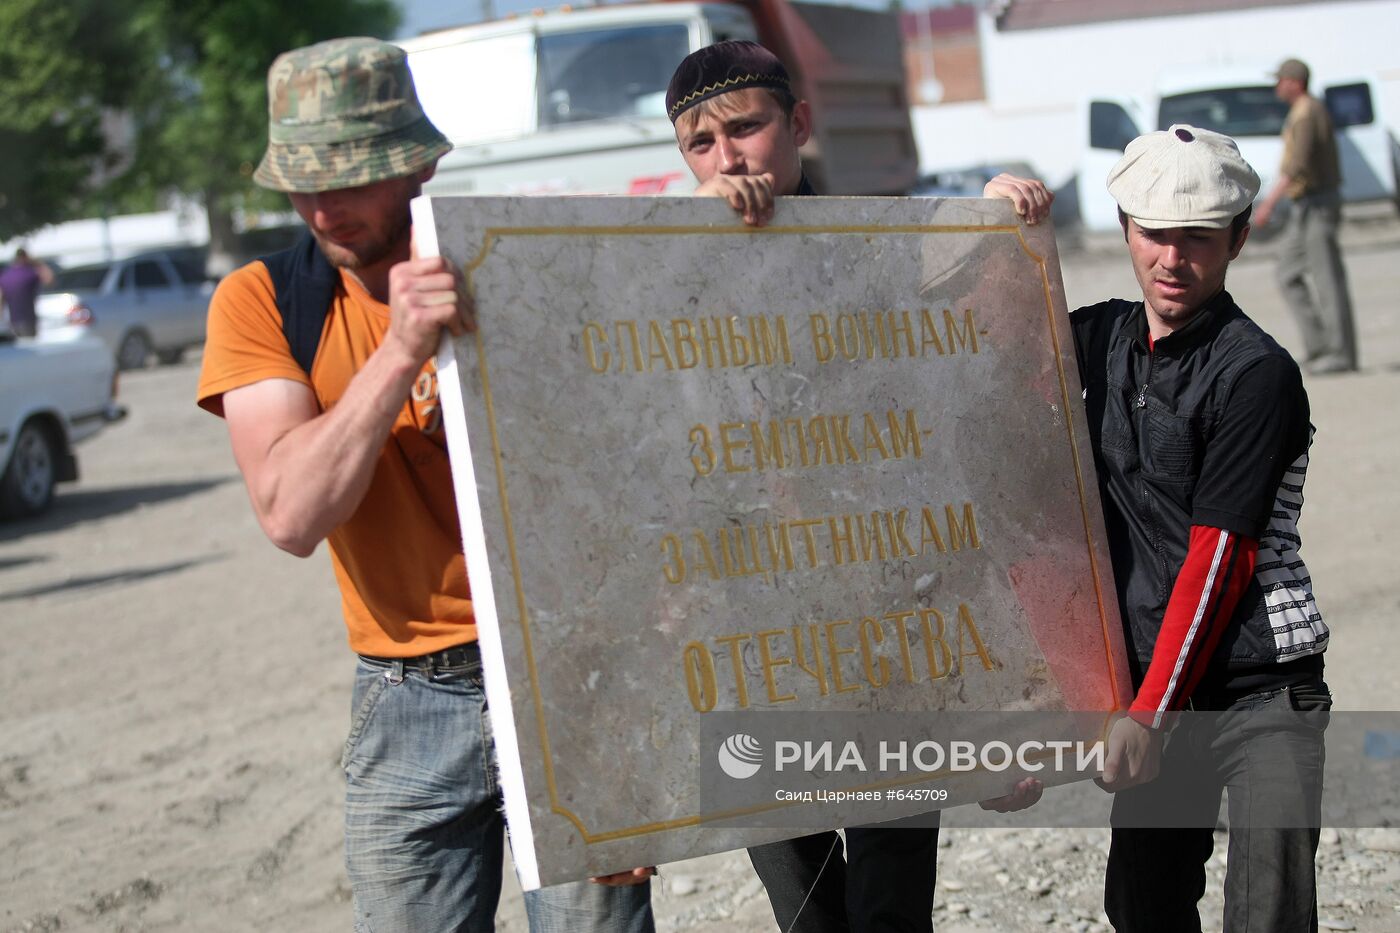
[[202, 115], [63, 67], [185, 80]]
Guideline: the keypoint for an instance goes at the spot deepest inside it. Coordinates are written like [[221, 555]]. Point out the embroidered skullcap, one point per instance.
[[720, 68]]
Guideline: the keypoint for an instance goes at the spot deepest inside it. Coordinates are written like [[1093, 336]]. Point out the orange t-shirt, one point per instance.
[[398, 559]]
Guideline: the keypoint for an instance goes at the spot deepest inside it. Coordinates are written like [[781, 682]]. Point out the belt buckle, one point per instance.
[[458, 655]]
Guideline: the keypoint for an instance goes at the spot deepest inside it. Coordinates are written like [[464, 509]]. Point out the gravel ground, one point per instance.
[[1045, 880]]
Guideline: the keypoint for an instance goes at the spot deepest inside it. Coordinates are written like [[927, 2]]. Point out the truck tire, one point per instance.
[[27, 487], [170, 356], [135, 349]]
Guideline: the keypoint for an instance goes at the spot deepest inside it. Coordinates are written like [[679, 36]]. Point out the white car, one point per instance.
[[54, 392], [152, 303], [1240, 103]]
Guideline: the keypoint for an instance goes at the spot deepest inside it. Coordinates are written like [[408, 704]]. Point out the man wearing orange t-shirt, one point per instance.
[[332, 412]]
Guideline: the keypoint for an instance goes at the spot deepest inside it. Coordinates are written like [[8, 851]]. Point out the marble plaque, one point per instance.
[[837, 464]]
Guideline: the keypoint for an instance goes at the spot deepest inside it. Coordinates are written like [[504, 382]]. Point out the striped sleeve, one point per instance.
[[1218, 567]]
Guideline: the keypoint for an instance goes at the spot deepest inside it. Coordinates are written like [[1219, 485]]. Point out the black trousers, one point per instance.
[[882, 882], [1268, 760]]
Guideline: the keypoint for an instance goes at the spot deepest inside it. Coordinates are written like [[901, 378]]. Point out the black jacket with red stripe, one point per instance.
[[1199, 428]]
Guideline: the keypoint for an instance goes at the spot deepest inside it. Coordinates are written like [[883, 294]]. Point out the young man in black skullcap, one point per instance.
[[739, 127]]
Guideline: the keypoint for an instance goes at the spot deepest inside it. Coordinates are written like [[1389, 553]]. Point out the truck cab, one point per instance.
[[564, 103], [573, 102]]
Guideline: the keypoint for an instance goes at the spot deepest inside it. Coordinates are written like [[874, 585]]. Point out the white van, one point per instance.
[[1238, 102]]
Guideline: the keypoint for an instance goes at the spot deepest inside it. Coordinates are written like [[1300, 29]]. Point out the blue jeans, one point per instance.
[[423, 823]]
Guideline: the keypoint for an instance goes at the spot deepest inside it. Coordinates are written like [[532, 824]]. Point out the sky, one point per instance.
[[422, 15]]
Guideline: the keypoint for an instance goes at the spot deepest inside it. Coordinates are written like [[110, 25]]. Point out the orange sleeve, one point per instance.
[[245, 343]]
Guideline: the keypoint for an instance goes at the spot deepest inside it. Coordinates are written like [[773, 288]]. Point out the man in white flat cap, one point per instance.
[[1200, 430], [320, 360]]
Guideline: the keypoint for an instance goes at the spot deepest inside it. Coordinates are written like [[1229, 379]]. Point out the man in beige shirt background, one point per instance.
[[1310, 269]]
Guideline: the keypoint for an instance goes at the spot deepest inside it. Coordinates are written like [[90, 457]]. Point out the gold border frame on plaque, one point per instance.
[[494, 235]]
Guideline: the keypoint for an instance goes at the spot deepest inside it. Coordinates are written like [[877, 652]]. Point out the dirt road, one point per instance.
[[174, 691]]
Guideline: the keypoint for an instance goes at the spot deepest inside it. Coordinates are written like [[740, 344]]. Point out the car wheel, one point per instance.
[[171, 356], [134, 351], [27, 486]]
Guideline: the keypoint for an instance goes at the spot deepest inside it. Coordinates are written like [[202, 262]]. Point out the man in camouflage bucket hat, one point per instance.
[[320, 359]]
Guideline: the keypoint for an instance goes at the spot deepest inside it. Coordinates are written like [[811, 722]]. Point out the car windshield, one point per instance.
[[83, 278], [605, 73], [1235, 111]]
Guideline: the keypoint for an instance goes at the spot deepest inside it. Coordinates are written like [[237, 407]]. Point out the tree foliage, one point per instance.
[[206, 119], [62, 66], [189, 76]]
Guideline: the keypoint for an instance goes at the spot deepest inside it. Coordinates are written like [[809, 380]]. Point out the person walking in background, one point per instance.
[[1310, 269], [19, 287]]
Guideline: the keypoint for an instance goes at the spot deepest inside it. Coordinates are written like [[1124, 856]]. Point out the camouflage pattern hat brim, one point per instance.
[[341, 114], [308, 168]]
